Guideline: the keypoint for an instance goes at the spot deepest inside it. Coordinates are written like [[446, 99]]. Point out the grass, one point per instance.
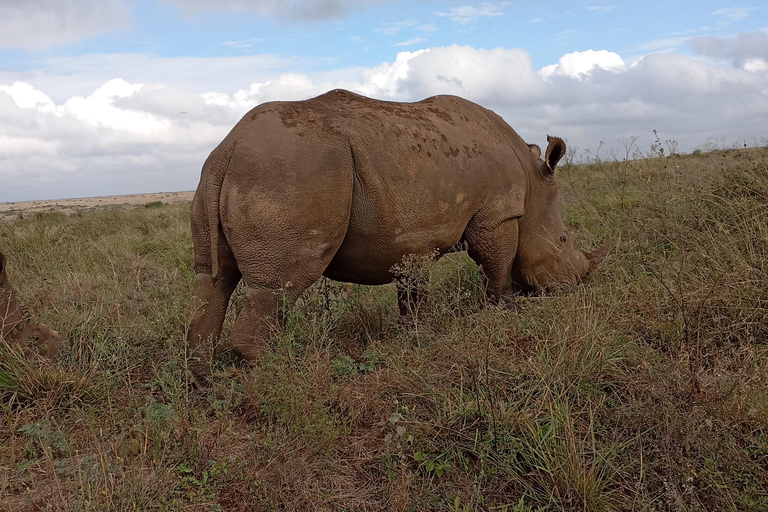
[[643, 389]]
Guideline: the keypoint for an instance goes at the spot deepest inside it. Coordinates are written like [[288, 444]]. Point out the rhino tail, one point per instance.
[[216, 173]]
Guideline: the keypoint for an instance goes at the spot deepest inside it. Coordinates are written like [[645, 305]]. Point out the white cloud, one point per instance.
[[285, 9], [393, 28], [733, 14], [41, 23], [601, 8], [26, 96], [64, 77], [469, 13], [756, 65], [581, 64], [101, 109], [663, 44], [562, 36], [126, 135], [244, 44], [739, 49], [287, 86], [387, 31], [410, 42], [499, 76], [383, 81]]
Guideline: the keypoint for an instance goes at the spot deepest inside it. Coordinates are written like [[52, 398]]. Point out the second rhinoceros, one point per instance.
[[17, 328], [345, 186]]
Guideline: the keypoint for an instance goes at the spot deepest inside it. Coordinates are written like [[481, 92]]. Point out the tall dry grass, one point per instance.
[[643, 389]]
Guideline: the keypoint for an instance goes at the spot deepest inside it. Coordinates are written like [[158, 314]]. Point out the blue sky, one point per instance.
[[92, 91]]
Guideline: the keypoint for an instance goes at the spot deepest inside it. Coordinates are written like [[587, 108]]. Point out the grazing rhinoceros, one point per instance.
[[17, 328], [344, 186]]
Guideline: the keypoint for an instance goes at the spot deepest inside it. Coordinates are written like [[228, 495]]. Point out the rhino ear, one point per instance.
[[536, 150], [555, 151]]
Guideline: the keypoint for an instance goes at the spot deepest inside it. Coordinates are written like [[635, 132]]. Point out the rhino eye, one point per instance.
[[563, 239]]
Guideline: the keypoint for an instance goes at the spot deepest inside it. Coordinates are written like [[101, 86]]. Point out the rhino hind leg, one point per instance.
[[266, 297], [260, 314], [284, 212], [210, 308]]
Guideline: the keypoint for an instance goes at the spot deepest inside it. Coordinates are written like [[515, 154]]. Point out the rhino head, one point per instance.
[[546, 256], [17, 328]]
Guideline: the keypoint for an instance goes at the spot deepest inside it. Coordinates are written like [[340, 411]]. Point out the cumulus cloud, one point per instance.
[[26, 96], [41, 23], [101, 109], [384, 80], [499, 76], [64, 77], [111, 141], [581, 64], [743, 49], [125, 135], [285, 9], [756, 65]]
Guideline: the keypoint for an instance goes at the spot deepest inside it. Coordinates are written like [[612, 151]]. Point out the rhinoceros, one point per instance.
[[345, 186], [18, 329]]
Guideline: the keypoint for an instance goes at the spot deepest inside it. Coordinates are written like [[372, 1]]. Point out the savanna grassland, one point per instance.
[[643, 389]]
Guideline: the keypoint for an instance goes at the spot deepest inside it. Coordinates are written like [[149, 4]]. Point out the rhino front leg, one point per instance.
[[494, 249], [210, 308], [410, 298]]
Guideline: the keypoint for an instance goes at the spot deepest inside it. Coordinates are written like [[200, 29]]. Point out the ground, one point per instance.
[[644, 388], [89, 204]]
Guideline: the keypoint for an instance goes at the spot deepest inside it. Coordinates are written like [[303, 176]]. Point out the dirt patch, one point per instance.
[[69, 206]]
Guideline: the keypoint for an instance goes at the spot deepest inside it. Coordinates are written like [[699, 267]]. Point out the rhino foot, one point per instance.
[[507, 300], [202, 378]]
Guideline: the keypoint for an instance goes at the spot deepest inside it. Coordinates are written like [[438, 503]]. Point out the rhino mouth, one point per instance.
[[570, 273], [535, 287]]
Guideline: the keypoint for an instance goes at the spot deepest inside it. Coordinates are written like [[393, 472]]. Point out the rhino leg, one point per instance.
[[260, 313], [494, 250], [409, 298], [265, 301], [210, 308]]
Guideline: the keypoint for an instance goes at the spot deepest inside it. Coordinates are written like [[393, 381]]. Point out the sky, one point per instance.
[[107, 97]]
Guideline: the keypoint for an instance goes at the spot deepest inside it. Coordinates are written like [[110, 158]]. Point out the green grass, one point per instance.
[[644, 388]]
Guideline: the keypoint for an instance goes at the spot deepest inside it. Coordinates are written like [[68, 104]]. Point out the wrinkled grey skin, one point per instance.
[[345, 186], [16, 328]]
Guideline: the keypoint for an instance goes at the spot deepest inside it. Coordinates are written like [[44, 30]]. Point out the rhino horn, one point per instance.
[[596, 257]]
